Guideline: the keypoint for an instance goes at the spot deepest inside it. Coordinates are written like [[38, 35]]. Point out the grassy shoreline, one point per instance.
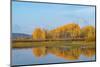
[[52, 43]]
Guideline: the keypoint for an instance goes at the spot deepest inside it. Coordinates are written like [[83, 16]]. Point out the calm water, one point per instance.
[[42, 55]]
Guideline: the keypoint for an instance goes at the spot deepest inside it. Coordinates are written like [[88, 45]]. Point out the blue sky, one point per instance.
[[27, 16]]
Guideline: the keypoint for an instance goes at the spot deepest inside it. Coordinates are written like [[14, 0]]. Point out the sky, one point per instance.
[[26, 16]]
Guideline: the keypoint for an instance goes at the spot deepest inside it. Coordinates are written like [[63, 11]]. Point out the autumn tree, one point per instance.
[[67, 31], [71, 30], [88, 32], [39, 34]]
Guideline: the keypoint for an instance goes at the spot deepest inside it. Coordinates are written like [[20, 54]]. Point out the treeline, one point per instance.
[[68, 31]]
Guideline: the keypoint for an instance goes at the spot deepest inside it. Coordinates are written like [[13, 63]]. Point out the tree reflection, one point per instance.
[[64, 52], [88, 52], [69, 54], [39, 51]]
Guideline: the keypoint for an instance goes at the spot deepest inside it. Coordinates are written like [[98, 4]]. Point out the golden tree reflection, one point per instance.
[[39, 51], [65, 53], [88, 52], [69, 54]]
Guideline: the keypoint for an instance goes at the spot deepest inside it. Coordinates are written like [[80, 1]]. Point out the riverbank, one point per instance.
[[52, 43]]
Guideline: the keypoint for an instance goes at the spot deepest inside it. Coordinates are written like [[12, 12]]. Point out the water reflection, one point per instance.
[[64, 52], [40, 51], [88, 52]]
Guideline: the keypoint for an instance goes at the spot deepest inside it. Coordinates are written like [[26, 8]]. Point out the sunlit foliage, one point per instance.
[[67, 31], [39, 34], [88, 32], [71, 30]]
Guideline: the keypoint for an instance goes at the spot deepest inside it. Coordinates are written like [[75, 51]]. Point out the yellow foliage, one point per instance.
[[71, 30], [88, 33], [39, 34]]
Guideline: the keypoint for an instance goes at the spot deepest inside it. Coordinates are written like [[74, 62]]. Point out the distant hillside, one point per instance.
[[16, 35]]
